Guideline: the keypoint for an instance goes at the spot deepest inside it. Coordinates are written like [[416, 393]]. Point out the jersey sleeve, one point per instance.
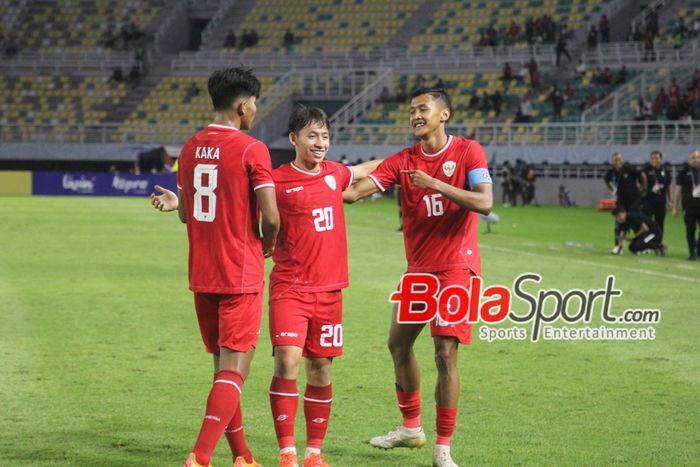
[[347, 176], [388, 172], [608, 176], [477, 166], [259, 166]]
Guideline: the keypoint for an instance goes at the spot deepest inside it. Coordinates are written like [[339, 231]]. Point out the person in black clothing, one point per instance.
[[627, 184], [658, 193], [688, 187], [645, 232]]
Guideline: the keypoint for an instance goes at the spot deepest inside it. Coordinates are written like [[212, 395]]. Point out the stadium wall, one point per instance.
[[536, 154]]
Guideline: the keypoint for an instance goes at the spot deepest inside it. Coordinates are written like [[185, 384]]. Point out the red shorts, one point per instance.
[[462, 331], [231, 321], [312, 321]]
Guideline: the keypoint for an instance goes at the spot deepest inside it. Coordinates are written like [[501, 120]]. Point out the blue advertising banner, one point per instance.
[[99, 183]]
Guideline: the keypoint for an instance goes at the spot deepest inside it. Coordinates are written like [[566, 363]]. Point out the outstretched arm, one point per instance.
[[480, 199], [168, 201], [361, 171], [359, 190]]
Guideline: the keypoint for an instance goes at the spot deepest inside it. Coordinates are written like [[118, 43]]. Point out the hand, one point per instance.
[[167, 201], [420, 179], [268, 250]]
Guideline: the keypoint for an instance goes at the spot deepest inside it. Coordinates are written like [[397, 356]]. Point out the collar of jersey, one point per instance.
[[223, 126], [440, 151], [305, 171]]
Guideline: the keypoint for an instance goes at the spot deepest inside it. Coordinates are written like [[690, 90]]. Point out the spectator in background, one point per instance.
[[557, 100], [534, 74], [653, 23], [695, 32], [674, 90], [681, 29], [658, 193], [231, 39], [439, 84], [497, 102], [581, 68], [117, 75], [288, 40], [473, 101], [401, 95], [192, 90], [649, 54], [109, 38], [524, 114], [592, 39], [695, 80], [507, 75], [565, 199], [621, 75], [569, 92], [513, 31], [529, 196], [604, 26], [134, 76], [506, 187], [561, 48], [385, 95], [688, 191], [529, 30], [660, 102], [522, 73], [11, 48]]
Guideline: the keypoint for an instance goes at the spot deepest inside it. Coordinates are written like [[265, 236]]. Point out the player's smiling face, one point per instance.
[[427, 114], [311, 145]]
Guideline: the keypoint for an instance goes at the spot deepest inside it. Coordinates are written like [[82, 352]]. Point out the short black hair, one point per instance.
[[618, 209], [302, 116], [656, 152], [437, 93], [228, 84]]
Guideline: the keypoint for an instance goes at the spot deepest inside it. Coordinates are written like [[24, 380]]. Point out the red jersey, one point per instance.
[[439, 235], [311, 252], [220, 168]]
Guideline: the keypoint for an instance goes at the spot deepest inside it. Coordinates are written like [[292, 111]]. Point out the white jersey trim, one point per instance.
[[223, 126], [352, 175], [376, 182], [444, 148], [305, 171], [263, 185]]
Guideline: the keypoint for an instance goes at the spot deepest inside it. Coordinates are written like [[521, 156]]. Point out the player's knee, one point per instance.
[[318, 371], [446, 358], [286, 366], [398, 350]]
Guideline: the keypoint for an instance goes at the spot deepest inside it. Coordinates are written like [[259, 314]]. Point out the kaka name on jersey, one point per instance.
[[206, 152]]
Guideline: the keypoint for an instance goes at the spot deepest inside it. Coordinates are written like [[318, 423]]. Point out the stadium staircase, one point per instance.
[[118, 115], [229, 17], [418, 21]]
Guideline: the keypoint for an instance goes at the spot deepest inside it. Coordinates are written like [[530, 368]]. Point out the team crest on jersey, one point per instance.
[[449, 168], [330, 180]]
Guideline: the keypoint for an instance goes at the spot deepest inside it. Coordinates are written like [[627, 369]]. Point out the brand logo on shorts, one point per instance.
[[330, 180], [449, 168], [288, 334]]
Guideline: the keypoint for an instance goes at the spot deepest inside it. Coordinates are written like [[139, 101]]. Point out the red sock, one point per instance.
[[223, 399], [317, 410], [236, 437], [284, 399], [446, 417], [409, 404]]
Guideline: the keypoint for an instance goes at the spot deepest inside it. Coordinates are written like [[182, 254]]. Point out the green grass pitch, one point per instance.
[[102, 363]]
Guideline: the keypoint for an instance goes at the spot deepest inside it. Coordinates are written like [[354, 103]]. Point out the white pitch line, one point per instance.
[[594, 263]]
